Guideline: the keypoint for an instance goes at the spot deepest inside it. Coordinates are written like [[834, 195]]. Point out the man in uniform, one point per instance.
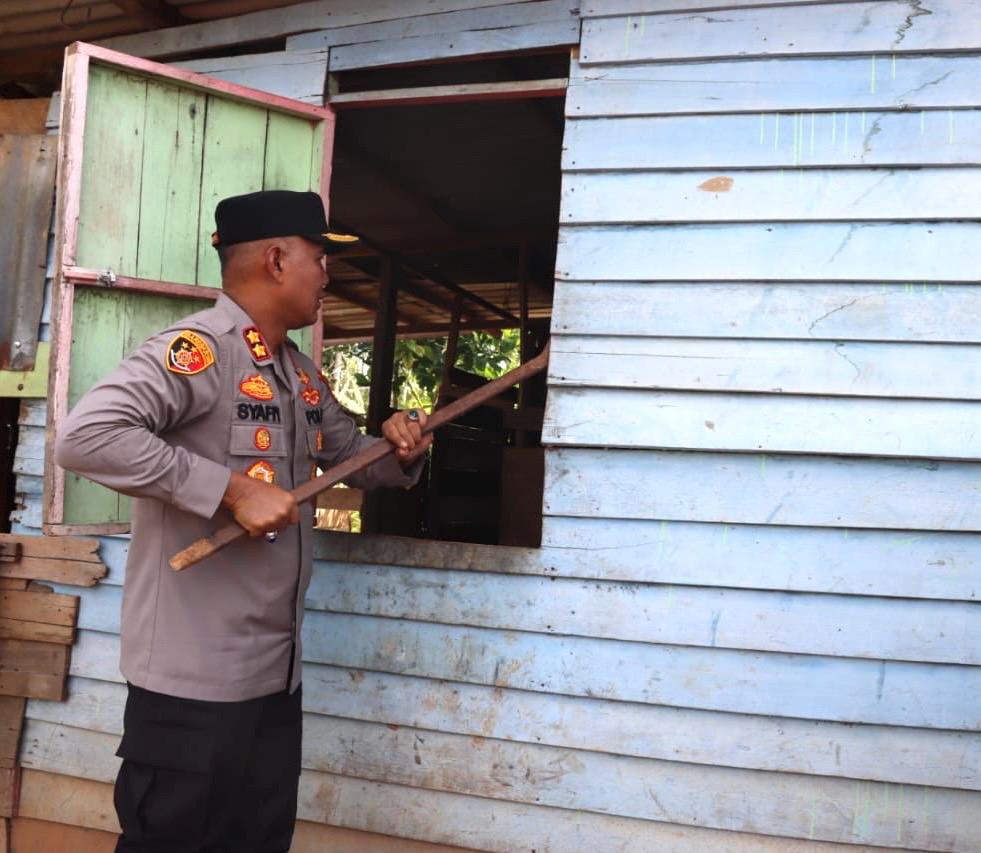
[[215, 419]]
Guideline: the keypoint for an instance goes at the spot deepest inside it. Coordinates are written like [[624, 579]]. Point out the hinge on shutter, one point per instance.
[[107, 278]]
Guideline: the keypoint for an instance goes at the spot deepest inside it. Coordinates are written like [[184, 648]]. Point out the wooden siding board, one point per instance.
[[836, 809], [941, 632], [762, 423], [234, 156], [767, 196], [109, 215], [506, 39], [170, 191], [775, 140], [893, 26], [829, 311], [877, 82], [835, 368], [804, 686], [617, 8], [297, 74], [289, 154], [899, 755], [763, 489], [870, 251]]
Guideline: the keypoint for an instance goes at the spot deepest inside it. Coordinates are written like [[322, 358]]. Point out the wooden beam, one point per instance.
[[464, 242], [503, 91], [151, 13], [383, 349], [338, 335]]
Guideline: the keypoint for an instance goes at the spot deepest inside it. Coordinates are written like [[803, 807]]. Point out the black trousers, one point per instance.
[[208, 777]]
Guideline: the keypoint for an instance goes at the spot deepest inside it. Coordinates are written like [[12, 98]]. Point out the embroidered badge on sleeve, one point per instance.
[[256, 387], [262, 470], [262, 439], [256, 344], [188, 354]]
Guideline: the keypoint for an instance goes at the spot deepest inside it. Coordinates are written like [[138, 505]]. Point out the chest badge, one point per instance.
[[262, 470], [262, 439], [256, 387], [256, 344], [311, 396], [188, 354]]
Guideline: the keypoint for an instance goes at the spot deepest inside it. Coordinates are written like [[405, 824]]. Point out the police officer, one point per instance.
[[214, 419]]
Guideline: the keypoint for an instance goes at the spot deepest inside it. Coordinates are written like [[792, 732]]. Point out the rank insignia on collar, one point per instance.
[[262, 439], [256, 344], [311, 396], [256, 387], [262, 470], [188, 354]]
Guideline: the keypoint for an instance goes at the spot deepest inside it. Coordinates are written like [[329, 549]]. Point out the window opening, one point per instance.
[[449, 285]]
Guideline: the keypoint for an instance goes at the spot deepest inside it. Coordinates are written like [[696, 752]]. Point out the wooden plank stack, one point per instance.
[[37, 631]]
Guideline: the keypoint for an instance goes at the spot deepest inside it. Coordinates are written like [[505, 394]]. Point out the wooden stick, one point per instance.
[[226, 535]]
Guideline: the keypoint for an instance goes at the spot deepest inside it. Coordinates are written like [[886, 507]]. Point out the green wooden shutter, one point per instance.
[[147, 152]]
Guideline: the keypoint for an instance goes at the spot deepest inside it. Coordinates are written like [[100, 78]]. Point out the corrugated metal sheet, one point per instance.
[[27, 173]]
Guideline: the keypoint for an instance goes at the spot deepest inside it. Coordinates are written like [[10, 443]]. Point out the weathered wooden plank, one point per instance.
[[509, 39], [9, 784], [877, 82], [874, 628], [467, 17], [33, 413], [234, 153], [790, 310], [72, 800], [28, 383], [24, 115], [18, 629], [767, 195], [40, 836], [762, 489], [297, 74], [288, 155], [804, 686], [274, 23], [61, 571], [520, 26], [767, 423], [399, 812], [791, 367], [833, 809], [809, 687], [109, 216], [40, 607], [893, 26], [309, 837], [775, 140], [13, 583], [616, 8], [171, 187], [887, 754], [870, 251], [788, 806], [11, 723]]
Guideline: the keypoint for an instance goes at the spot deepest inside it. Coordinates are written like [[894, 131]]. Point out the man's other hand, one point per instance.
[[403, 430]]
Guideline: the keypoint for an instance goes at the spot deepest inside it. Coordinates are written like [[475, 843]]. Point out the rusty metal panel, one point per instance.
[[27, 174]]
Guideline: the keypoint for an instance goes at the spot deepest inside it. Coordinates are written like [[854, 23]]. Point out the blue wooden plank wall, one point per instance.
[[753, 623]]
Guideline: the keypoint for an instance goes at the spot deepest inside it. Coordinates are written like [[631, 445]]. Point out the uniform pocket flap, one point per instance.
[[253, 439]]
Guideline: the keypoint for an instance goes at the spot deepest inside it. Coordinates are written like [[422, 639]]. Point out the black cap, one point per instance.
[[269, 213]]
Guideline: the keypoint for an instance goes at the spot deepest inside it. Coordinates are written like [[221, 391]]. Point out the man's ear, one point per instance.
[[274, 258]]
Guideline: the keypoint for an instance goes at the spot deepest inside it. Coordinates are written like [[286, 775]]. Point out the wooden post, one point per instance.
[[382, 371], [520, 437]]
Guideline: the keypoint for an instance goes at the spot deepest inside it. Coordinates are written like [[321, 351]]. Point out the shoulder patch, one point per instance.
[[262, 470], [256, 387], [188, 353], [256, 344]]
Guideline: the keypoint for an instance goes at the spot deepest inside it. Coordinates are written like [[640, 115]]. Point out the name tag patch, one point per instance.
[[258, 412], [314, 416]]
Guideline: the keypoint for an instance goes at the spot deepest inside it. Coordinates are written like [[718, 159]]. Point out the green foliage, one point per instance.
[[418, 366]]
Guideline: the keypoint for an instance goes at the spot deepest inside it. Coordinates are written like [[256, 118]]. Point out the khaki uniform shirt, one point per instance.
[[167, 427]]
